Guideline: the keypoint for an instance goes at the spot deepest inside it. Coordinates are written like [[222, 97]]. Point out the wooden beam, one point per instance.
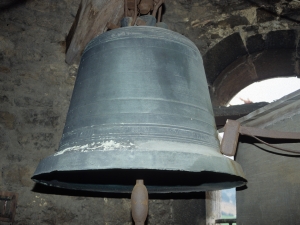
[[91, 20], [222, 114]]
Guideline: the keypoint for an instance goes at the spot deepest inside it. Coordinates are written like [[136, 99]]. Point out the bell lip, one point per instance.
[[212, 165], [151, 189]]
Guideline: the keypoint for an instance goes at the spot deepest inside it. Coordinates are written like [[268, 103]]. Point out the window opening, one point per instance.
[[266, 91]]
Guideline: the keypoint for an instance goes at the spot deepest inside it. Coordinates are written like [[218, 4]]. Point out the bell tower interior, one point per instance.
[[41, 44]]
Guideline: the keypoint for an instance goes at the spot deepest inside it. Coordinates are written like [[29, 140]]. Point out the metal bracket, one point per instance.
[[229, 221], [8, 205], [233, 129]]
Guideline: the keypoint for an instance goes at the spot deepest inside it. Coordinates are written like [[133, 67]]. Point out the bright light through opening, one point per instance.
[[266, 91]]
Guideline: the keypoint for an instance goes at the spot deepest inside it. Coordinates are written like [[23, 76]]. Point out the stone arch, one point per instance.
[[235, 63]]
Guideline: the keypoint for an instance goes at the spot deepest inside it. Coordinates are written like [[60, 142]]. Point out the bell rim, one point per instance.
[[212, 166]]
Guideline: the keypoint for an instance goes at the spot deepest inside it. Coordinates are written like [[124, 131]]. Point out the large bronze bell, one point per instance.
[[140, 110]]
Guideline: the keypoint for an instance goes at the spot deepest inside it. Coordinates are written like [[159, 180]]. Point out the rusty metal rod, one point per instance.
[[125, 8], [159, 14], [135, 13], [233, 129], [252, 131], [273, 146], [156, 7]]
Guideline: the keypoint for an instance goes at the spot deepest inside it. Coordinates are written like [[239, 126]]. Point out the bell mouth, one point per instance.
[[116, 171], [123, 180]]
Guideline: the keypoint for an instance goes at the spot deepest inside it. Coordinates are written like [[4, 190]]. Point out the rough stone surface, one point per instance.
[[222, 55], [225, 31], [36, 86], [7, 120]]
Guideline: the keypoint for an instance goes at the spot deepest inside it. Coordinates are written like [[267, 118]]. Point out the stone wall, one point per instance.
[[36, 86]]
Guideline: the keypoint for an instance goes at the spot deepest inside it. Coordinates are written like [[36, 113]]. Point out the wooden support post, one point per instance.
[[91, 20], [213, 206]]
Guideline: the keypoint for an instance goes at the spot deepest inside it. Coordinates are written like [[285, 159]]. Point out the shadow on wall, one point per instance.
[[7, 4]]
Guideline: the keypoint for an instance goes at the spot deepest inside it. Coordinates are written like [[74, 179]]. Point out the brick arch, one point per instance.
[[233, 63]]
